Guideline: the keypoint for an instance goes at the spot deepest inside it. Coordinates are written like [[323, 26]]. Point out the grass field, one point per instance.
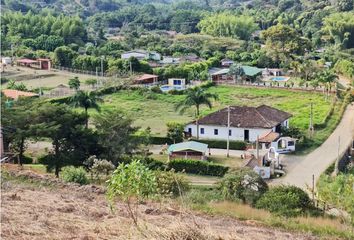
[[157, 109]]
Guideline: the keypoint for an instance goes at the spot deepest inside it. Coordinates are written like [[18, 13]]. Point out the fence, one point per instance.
[[277, 85]]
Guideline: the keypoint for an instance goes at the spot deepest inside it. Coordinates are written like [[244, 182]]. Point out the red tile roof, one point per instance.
[[269, 137], [15, 94], [146, 77], [26, 60], [247, 117]]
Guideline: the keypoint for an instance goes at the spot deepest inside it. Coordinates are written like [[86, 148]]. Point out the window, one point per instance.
[[230, 132], [190, 130], [291, 143], [216, 131], [202, 131], [177, 82]]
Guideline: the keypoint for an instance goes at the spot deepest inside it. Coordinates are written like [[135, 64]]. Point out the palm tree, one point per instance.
[[196, 97], [328, 78], [236, 71], [86, 100]]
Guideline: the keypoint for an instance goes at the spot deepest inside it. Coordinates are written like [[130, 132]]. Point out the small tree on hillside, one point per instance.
[[175, 131], [74, 83], [91, 82], [131, 183]]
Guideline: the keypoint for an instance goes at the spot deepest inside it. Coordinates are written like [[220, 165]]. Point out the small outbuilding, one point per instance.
[[15, 94], [188, 150], [146, 79]]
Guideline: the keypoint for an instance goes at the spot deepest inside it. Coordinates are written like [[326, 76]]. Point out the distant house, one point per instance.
[[146, 79], [191, 58], [141, 55], [15, 94], [169, 60], [272, 72], [246, 123], [188, 150], [40, 63], [226, 62], [223, 75], [181, 82]]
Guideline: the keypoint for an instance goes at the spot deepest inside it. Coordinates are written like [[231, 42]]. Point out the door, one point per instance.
[[246, 135]]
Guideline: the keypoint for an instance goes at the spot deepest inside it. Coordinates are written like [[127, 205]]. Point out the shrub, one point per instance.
[[73, 174], [198, 167], [132, 183], [285, 200], [150, 163], [170, 183], [244, 185], [234, 145], [102, 166], [26, 160], [156, 89], [160, 140]]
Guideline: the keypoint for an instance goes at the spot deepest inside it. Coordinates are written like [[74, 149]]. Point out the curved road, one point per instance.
[[301, 168]]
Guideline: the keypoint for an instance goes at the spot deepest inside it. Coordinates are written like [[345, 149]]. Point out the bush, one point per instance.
[[285, 200], [234, 145], [73, 174], [156, 89], [102, 166], [26, 160], [160, 140], [244, 185], [198, 167], [170, 183]]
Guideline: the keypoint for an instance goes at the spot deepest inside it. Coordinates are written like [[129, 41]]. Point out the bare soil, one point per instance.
[[51, 209]]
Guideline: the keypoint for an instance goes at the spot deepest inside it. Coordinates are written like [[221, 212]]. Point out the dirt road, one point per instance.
[[301, 168]]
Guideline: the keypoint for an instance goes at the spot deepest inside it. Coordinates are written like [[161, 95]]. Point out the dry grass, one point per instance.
[[32, 211]]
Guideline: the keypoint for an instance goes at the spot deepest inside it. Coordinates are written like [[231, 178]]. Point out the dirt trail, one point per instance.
[[64, 211]]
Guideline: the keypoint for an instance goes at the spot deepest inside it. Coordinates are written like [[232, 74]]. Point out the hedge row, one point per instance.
[[197, 167], [234, 145], [160, 140]]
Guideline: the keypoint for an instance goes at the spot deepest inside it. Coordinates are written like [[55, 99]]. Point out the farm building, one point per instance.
[[146, 79], [188, 150], [246, 123], [250, 74]]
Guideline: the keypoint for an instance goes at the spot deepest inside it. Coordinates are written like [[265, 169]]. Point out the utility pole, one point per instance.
[[257, 147], [228, 131], [311, 128], [102, 57], [131, 67]]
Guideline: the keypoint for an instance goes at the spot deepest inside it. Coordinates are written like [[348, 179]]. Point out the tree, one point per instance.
[[63, 56], [328, 78], [282, 40], [86, 100], [196, 97], [228, 25], [74, 83], [345, 5], [91, 82], [236, 71], [132, 183], [175, 131], [340, 27], [16, 124], [72, 143], [116, 135]]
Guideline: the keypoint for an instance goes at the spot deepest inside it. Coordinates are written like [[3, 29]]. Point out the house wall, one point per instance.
[[134, 54], [236, 133]]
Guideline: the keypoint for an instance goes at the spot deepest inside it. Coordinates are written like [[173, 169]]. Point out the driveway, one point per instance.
[[301, 168]]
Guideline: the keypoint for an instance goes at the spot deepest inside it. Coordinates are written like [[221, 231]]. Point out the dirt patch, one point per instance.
[[69, 211]]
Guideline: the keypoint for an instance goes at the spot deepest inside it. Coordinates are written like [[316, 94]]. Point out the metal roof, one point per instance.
[[249, 71], [191, 145]]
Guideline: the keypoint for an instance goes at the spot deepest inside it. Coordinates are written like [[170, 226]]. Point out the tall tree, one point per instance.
[[196, 97], [86, 100], [116, 135]]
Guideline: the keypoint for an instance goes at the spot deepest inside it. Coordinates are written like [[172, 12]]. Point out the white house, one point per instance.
[[181, 82], [246, 123], [142, 55]]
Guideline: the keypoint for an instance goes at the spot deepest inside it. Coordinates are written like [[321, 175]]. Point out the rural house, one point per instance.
[[188, 150], [246, 123], [146, 79], [141, 55]]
